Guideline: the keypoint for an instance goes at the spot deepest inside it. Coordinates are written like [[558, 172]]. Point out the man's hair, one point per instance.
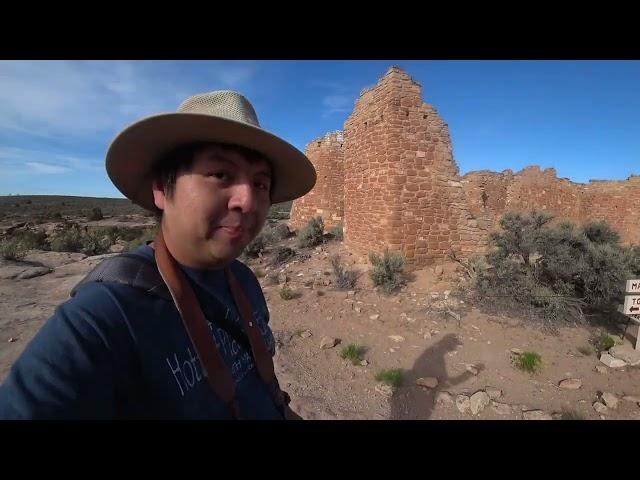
[[181, 158]]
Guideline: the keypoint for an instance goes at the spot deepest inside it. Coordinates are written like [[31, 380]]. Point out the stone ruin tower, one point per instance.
[[401, 188]]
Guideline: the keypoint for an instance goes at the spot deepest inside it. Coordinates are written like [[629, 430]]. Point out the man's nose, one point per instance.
[[242, 197]]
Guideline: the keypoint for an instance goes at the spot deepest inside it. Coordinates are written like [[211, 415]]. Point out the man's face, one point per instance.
[[217, 207]]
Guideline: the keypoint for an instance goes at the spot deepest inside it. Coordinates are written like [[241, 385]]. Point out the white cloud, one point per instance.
[[340, 100], [234, 75], [20, 161], [78, 99], [37, 168]]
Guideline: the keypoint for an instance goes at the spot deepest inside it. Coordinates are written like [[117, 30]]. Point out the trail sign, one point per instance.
[[633, 286], [631, 305]]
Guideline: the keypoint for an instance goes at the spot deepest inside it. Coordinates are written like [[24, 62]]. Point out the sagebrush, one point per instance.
[[559, 271], [312, 234], [388, 270], [345, 279]]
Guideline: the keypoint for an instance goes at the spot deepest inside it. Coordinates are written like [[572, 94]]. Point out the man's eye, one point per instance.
[[262, 186], [220, 175]]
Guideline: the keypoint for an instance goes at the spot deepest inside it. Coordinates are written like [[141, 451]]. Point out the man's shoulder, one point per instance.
[[104, 298]]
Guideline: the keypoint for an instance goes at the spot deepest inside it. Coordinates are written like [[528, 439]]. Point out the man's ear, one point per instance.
[[159, 197]]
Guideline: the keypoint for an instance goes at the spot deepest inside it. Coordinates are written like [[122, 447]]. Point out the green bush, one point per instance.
[[95, 243], [255, 247], [11, 249], [568, 414], [71, 237], [276, 233], [558, 271], [387, 270], [337, 233], [604, 342], [530, 362], [147, 235], [391, 377], [353, 353], [312, 234], [345, 279], [29, 239], [67, 237], [96, 214], [287, 293], [281, 255], [124, 234]]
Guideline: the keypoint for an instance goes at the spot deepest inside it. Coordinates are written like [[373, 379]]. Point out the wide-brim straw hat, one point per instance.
[[221, 116]]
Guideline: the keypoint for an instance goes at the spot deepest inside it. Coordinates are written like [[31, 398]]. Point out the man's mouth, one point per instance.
[[232, 230]]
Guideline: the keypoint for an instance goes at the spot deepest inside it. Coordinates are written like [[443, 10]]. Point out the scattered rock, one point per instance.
[[536, 415], [386, 390], [626, 354], [306, 334], [463, 403], [444, 398], [478, 402], [54, 259], [428, 382], [501, 408], [494, 393], [471, 369], [9, 272], [426, 335], [328, 342], [516, 351], [11, 340], [610, 400], [374, 317], [364, 363], [446, 293], [570, 383], [397, 338], [357, 309], [351, 293], [612, 362], [116, 248], [438, 270], [630, 398], [33, 272], [601, 369], [600, 408]]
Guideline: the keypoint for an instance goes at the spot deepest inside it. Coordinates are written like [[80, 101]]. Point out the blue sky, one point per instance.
[[582, 118]]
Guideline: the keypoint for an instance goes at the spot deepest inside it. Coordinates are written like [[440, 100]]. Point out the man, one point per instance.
[[193, 341]]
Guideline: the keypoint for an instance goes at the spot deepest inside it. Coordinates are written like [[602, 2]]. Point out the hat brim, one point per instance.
[[134, 151]]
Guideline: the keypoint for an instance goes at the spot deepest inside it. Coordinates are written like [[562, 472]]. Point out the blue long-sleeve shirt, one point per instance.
[[113, 351]]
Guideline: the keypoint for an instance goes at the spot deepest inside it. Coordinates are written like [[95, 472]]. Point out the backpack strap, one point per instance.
[[139, 272], [217, 373], [129, 269], [264, 361]]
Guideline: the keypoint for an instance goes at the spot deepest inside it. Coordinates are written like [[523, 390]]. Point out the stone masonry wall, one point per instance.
[[326, 199], [402, 188], [532, 188]]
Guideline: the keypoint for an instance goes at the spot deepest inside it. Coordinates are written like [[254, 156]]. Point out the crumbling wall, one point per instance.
[[326, 199]]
